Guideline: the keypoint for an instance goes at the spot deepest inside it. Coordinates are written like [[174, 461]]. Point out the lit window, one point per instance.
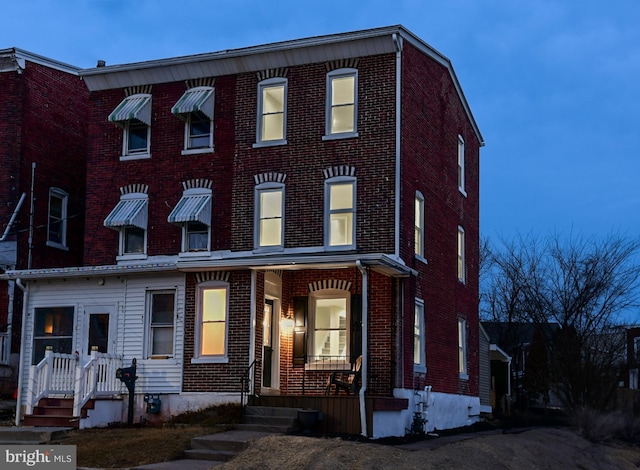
[[461, 185], [161, 305], [340, 213], [272, 111], [195, 108], [211, 341], [269, 215], [461, 262], [462, 348], [419, 353], [57, 226], [342, 103], [330, 333], [53, 328], [419, 225]]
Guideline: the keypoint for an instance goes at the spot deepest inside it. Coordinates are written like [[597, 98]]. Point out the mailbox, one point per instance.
[[128, 377]]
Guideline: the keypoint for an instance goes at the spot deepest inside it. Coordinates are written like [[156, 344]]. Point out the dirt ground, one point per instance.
[[538, 448]]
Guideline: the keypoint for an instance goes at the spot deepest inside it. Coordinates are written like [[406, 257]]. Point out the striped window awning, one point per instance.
[[194, 100], [192, 208], [128, 212], [133, 107]]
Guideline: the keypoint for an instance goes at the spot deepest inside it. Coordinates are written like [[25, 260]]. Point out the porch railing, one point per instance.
[[247, 383], [96, 378], [62, 375]]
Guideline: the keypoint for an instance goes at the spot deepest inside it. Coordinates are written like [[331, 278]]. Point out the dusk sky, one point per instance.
[[554, 85]]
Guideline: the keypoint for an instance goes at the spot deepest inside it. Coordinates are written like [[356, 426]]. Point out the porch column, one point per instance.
[[365, 336]]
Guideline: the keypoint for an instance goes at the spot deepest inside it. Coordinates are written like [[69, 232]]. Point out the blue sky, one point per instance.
[[553, 85]]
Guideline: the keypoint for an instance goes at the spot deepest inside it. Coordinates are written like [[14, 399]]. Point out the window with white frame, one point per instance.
[[161, 308], [57, 224], [272, 111], [419, 353], [419, 225], [129, 218], [212, 322], [462, 348], [340, 213], [342, 103], [53, 328], [461, 256], [193, 214], [195, 108], [269, 216], [461, 185], [329, 339], [133, 114]]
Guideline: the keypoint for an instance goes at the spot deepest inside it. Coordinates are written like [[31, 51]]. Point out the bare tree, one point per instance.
[[581, 285]]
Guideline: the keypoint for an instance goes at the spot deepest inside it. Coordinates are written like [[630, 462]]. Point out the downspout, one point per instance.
[[33, 173], [252, 325], [365, 337], [21, 365], [398, 44]]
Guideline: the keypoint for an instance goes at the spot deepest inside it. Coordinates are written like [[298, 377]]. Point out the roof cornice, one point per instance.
[[13, 59]]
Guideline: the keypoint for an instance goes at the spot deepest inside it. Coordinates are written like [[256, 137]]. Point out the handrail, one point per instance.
[[97, 377], [247, 383], [52, 375]]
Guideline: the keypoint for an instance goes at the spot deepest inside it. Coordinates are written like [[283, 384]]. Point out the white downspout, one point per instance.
[[398, 43], [252, 324], [22, 365], [364, 365]]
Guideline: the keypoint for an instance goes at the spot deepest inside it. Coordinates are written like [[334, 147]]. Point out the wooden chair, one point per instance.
[[347, 380]]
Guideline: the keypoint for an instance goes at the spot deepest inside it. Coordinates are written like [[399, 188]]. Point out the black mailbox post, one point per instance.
[[127, 375]]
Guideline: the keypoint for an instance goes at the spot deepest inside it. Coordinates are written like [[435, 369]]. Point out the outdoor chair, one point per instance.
[[345, 380]]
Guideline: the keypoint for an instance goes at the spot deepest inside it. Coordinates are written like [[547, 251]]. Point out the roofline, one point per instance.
[[20, 56], [316, 49]]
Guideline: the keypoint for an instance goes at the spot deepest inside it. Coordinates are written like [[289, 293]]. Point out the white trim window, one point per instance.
[[57, 222], [195, 108], [193, 214], [269, 216], [342, 104], [419, 225], [340, 213], [460, 266], [161, 308], [129, 218], [271, 126], [329, 326], [419, 345], [212, 322], [462, 349], [133, 115], [53, 328], [461, 178]]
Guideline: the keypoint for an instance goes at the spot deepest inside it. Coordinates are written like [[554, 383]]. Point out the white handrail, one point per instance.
[[96, 378], [52, 376]]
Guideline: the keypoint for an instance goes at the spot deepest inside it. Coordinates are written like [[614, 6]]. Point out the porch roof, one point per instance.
[[380, 262]]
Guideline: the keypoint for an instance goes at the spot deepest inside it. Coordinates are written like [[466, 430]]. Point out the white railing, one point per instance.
[[62, 375], [96, 378], [54, 375], [4, 352]]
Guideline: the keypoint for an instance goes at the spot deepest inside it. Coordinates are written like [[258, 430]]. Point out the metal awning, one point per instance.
[[133, 107], [192, 208], [128, 212], [194, 100]]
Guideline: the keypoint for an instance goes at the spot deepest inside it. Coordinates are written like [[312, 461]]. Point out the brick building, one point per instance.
[[279, 212], [43, 106]]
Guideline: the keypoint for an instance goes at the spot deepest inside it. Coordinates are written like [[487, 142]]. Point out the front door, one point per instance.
[[267, 341], [99, 334]]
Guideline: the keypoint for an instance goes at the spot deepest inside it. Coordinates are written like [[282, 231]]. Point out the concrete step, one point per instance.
[[266, 428], [32, 435], [271, 411], [212, 455], [51, 420]]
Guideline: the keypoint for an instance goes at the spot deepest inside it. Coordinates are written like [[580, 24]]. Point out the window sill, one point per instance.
[[131, 257], [269, 249], [464, 376], [194, 254], [210, 360], [197, 151], [422, 259], [343, 135], [339, 248], [270, 143], [420, 369], [59, 246], [135, 156]]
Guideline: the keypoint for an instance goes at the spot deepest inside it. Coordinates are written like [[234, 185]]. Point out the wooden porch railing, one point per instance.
[[96, 378]]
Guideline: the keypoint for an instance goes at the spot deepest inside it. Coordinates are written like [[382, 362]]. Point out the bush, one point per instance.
[[598, 426]]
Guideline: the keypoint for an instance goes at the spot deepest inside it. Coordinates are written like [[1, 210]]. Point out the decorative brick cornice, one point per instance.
[[340, 170], [197, 183], [134, 188], [196, 82], [329, 284], [272, 73], [351, 63], [213, 276], [136, 90], [270, 177]]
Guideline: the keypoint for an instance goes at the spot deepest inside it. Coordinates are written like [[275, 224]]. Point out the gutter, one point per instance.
[[22, 366], [365, 337]]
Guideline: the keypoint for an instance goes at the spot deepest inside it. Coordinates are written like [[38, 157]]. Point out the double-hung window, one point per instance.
[[193, 214], [212, 322], [195, 108], [272, 112], [133, 115], [269, 217], [342, 104], [461, 269], [330, 326], [419, 225], [419, 353], [129, 218], [57, 225], [161, 318], [462, 349], [340, 213], [461, 186], [53, 328]]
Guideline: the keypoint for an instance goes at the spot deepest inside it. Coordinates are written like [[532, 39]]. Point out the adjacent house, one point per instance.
[[43, 111], [261, 220]]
